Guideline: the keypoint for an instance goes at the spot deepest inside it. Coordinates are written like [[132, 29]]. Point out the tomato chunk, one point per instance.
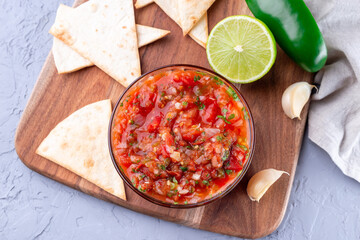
[[154, 124], [208, 115], [233, 164]]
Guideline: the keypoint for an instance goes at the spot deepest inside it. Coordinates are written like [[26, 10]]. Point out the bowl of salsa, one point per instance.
[[181, 136]]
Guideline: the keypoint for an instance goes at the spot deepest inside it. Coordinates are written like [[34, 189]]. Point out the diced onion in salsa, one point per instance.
[[181, 136]]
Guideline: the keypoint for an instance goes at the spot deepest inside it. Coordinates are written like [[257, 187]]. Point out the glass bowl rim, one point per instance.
[[217, 196]]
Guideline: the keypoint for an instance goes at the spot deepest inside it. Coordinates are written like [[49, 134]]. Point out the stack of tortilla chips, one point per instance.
[[104, 33], [190, 15]]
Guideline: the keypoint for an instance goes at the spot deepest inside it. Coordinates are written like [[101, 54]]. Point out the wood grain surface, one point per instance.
[[278, 139]]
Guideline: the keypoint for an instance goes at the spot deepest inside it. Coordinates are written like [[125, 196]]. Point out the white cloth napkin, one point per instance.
[[334, 116]]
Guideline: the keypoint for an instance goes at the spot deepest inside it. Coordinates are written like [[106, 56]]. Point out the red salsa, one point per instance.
[[181, 136]]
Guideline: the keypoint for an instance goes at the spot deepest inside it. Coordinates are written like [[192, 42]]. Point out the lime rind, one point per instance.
[[252, 62]]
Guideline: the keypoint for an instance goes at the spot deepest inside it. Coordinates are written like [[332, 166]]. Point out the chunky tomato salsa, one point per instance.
[[181, 136]]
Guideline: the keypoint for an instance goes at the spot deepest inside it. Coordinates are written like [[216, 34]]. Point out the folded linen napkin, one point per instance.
[[334, 116]]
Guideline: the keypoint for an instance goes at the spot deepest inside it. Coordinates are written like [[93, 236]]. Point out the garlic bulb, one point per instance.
[[261, 182], [295, 97]]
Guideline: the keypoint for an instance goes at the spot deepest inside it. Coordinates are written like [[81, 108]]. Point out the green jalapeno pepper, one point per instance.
[[294, 29]]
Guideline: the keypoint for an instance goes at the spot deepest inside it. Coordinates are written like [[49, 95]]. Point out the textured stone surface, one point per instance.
[[324, 203]]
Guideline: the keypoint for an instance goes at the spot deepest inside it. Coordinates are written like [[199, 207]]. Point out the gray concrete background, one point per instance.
[[324, 203]]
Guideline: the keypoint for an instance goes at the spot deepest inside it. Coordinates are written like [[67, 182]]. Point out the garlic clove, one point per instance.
[[295, 97], [261, 182]]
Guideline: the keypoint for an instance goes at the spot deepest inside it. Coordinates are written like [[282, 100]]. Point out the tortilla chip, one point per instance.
[[190, 12], [147, 35], [170, 7], [200, 31], [104, 32], [79, 143], [67, 60], [142, 3]]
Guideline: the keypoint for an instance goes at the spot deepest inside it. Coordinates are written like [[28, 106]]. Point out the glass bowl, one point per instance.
[[214, 197]]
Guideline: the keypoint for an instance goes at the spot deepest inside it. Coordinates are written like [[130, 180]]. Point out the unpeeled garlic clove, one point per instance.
[[295, 97], [261, 182]]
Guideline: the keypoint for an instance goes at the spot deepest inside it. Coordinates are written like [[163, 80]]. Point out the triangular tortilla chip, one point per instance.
[[147, 35], [190, 12], [79, 143], [142, 3], [170, 7], [199, 32], [67, 60], [103, 32]]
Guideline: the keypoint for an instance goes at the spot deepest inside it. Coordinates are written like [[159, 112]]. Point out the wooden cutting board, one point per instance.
[[278, 139]]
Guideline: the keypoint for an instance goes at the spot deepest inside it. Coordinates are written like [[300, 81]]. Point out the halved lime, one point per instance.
[[241, 48]]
